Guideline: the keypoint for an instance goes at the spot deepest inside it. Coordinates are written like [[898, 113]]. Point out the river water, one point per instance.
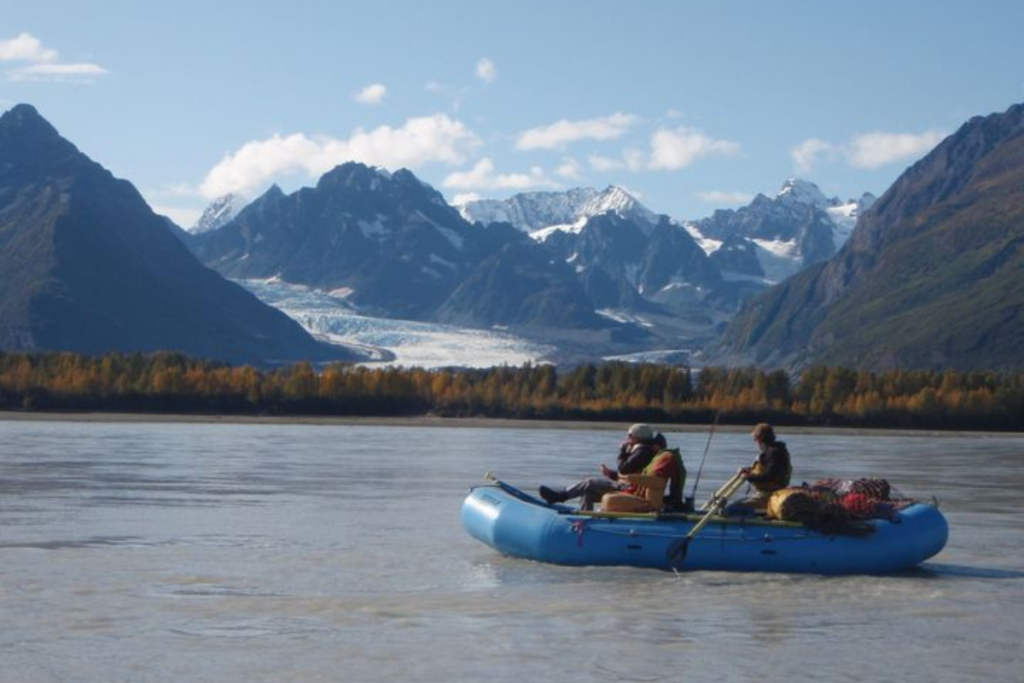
[[251, 552]]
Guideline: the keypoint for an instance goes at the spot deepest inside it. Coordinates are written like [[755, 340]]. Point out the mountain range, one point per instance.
[[592, 272], [932, 276], [88, 267], [796, 228], [929, 277]]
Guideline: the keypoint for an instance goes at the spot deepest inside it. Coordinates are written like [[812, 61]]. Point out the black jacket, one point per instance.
[[633, 458], [773, 468]]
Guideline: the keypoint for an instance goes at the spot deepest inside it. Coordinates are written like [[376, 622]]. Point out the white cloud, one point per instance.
[[465, 198], [872, 150], [61, 73], [43, 64], [602, 163], [371, 94], [634, 159], [725, 197], [867, 151], [428, 139], [486, 71], [173, 191], [569, 168], [483, 177], [454, 96], [563, 132], [672, 150], [25, 48], [805, 155]]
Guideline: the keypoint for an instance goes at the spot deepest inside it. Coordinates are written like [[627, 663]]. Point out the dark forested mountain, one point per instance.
[[87, 266], [932, 276], [388, 239]]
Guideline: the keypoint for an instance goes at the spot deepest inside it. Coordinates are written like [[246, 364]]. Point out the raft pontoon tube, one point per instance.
[[520, 525]]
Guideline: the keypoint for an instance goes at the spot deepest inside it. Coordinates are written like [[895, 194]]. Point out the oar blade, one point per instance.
[[677, 551]]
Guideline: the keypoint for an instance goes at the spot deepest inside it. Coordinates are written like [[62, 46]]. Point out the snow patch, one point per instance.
[[679, 357], [780, 248], [778, 258], [708, 244], [220, 212], [675, 285], [544, 233], [621, 316], [454, 238], [434, 258], [374, 229], [450, 235], [732, 276]]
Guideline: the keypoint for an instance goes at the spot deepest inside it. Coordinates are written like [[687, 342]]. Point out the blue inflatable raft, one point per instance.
[[520, 525]]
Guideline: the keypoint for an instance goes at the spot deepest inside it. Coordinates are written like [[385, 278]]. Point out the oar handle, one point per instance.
[[724, 492]]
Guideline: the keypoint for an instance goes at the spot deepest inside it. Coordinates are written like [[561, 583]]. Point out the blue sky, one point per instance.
[[690, 105]]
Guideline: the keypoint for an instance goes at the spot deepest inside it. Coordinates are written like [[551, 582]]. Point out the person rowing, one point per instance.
[[769, 473]]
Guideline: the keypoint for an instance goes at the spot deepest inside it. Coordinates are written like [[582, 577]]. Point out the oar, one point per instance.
[[723, 492], [677, 551]]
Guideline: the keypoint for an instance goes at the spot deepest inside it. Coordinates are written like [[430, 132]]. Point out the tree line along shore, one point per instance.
[[823, 396]]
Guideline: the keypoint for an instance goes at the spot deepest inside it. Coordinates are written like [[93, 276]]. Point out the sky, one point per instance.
[[690, 105]]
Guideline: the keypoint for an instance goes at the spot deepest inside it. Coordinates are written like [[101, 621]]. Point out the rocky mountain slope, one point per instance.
[[932, 276], [88, 267]]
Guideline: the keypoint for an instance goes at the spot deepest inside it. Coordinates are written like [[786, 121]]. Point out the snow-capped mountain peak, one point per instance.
[[219, 212], [844, 216], [619, 201], [842, 213], [539, 213], [803, 192]]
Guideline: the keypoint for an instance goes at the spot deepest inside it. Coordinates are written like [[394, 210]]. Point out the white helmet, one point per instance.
[[641, 432]]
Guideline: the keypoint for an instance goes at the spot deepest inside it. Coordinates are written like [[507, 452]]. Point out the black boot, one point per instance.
[[552, 496]]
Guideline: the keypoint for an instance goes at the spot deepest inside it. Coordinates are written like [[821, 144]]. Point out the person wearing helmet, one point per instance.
[[636, 452]]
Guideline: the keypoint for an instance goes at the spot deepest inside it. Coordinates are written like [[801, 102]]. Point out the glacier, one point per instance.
[[405, 343]]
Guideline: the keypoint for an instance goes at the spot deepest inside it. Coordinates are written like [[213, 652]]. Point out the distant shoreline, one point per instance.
[[454, 423]]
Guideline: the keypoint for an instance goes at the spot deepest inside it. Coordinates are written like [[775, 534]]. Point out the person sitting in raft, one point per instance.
[[646, 491], [636, 453], [769, 473]]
